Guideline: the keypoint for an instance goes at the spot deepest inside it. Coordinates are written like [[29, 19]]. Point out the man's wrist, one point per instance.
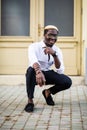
[[38, 71], [37, 68], [54, 54]]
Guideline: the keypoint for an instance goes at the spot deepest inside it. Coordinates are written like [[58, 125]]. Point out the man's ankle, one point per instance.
[[47, 92], [30, 100]]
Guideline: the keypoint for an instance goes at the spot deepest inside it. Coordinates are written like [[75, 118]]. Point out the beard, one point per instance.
[[49, 45]]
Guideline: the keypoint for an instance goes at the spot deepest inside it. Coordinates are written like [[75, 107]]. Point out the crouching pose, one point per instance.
[[42, 55]]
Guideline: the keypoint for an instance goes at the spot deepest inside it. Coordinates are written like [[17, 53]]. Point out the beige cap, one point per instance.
[[51, 27]]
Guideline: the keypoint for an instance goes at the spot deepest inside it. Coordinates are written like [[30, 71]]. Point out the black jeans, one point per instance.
[[60, 81]]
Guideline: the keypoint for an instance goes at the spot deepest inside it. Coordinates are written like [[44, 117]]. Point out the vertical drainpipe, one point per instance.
[[86, 66]]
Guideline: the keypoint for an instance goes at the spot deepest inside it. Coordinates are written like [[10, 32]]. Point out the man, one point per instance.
[[42, 55]]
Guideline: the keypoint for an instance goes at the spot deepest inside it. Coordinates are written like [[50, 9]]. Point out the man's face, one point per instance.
[[50, 37]]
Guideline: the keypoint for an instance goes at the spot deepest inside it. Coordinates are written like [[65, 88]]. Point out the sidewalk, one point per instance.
[[69, 113]]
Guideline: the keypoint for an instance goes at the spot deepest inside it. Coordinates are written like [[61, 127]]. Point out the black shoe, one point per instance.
[[29, 107], [49, 99]]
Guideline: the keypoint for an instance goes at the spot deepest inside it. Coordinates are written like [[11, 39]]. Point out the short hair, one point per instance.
[[48, 27], [46, 30]]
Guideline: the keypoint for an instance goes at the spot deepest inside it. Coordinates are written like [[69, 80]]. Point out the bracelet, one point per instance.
[[37, 72], [37, 69]]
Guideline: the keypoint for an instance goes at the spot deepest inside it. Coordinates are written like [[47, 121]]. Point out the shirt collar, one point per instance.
[[43, 44]]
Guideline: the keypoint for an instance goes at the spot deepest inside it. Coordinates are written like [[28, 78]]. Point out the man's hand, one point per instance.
[[48, 50], [40, 79]]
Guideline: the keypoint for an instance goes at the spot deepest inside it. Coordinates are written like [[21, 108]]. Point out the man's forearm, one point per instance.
[[40, 78], [37, 68], [57, 62]]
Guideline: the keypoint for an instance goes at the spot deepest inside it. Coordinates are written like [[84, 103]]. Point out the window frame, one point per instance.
[[32, 29]]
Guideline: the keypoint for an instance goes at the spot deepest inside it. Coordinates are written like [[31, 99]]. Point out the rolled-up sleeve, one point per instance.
[[32, 55]]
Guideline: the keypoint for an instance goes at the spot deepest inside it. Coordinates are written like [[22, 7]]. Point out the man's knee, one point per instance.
[[29, 71], [30, 77], [68, 83]]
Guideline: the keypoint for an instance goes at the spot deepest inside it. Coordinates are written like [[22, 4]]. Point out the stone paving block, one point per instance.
[[69, 112], [53, 128]]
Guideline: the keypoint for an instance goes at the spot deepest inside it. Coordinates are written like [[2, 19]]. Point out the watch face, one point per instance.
[[54, 55]]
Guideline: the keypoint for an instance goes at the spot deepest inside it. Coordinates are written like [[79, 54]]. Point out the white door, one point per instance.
[[66, 15]]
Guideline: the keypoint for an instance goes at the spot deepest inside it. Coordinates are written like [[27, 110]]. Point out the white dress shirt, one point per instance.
[[36, 54]]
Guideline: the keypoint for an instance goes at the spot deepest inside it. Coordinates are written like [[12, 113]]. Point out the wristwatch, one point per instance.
[[54, 55]]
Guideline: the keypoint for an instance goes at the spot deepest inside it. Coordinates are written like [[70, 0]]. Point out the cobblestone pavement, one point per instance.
[[69, 113]]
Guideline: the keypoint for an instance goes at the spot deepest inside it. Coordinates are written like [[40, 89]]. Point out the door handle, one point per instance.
[[40, 29]]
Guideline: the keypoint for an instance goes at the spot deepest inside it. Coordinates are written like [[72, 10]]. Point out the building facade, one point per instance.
[[22, 23]]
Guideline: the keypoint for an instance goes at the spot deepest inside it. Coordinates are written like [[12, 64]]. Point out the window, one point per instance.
[[61, 14], [15, 17]]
